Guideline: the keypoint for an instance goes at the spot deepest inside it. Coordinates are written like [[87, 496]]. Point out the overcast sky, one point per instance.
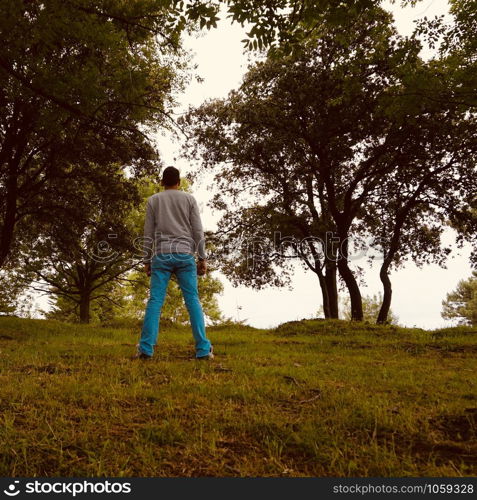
[[417, 292]]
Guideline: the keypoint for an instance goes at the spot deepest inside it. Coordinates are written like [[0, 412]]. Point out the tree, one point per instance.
[[78, 257], [328, 134], [79, 84], [416, 205], [311, 135], [88, 286], [461, 304]]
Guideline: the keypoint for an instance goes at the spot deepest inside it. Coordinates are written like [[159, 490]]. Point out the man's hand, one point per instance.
[[147, 268], [201, 267]]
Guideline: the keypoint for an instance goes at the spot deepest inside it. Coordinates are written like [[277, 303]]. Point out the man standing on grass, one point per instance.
[[173, 229]]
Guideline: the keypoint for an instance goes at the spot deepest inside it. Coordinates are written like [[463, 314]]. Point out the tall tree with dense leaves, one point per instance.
[[410, 210], [308, 134], [314, 137], [78, 84]]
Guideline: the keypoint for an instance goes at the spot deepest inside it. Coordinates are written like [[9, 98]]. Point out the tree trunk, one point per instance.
[[9, 216], [11, 153], [353, 289], [85, 301], [324, 293], [351, 283], [387, 293], [388, 258], [331, 288]]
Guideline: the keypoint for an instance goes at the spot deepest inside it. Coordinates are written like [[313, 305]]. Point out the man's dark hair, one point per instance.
[[171, 176]]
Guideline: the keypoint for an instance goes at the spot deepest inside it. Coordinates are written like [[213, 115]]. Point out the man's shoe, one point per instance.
[[207, 356], [140, 355]]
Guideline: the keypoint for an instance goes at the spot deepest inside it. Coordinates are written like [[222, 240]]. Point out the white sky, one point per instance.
[[417, 292]]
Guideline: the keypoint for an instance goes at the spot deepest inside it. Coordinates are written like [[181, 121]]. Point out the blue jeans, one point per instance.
[[184, 267]]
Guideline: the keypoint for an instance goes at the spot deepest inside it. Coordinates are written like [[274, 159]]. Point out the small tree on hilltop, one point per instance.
[[461, 304]]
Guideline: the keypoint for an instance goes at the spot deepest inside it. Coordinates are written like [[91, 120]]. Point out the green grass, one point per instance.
[[311, 398]]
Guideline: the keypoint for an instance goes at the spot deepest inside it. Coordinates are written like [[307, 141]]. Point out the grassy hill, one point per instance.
[[310, 398]]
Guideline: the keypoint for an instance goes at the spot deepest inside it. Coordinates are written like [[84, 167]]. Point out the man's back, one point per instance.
[[173, 223]]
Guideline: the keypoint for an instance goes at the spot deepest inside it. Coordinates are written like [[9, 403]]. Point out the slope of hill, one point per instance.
[[310, 398]]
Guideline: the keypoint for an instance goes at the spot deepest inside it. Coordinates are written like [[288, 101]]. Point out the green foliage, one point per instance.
[[371, 306], [461, 304], [130, 297], [80, 84], [121, 290], [10, 292], [457, 46], [15, 298], [280, 26], [80, 259]]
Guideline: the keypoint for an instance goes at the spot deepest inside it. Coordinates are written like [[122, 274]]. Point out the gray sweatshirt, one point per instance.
[[173, 225]]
